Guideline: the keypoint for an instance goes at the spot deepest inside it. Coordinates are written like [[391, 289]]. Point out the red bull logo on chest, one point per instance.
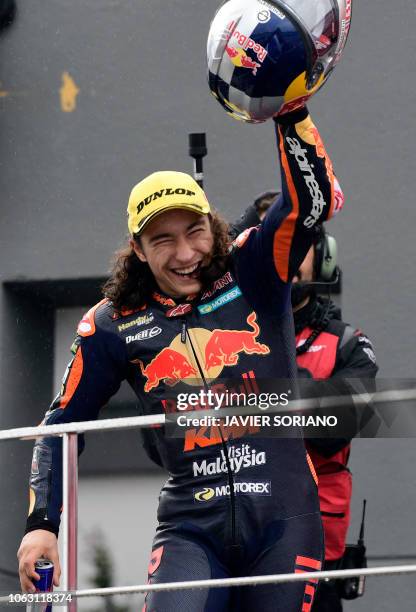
[[225, 345], [211, 351], [168, 366]]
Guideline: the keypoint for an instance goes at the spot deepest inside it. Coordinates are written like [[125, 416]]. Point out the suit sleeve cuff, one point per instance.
[[293, 117], [37, 520]]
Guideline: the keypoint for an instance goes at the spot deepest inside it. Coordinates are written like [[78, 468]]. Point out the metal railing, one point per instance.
[[69, 433]]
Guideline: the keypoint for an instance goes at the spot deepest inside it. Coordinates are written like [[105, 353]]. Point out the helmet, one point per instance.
[[267, 57]]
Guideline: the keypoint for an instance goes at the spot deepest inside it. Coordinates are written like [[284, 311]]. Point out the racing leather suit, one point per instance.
[[235, 502]]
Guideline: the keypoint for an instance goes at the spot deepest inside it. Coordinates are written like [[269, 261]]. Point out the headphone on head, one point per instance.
[[325, 262]]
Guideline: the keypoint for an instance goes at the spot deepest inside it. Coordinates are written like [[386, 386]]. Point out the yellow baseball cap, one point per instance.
[[162, 191]]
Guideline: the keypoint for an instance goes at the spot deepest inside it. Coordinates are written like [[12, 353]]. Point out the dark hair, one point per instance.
[[132, 283], [264, 200]]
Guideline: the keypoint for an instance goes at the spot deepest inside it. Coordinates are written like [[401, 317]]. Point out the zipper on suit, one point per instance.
[[184, 336]]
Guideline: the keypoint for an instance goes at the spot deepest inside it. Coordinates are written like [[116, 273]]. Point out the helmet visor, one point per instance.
[[321, 20]]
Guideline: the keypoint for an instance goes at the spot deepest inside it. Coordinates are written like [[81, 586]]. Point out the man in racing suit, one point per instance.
[[326, 348], [235, 503]]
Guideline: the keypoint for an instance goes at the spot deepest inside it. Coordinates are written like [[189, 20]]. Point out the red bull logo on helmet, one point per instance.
[[245, 42], [240, 59]]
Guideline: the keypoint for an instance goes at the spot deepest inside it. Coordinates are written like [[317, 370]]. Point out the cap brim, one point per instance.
[[197, 208]]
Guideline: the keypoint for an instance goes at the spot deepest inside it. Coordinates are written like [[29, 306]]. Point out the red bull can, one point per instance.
[[44, 568]]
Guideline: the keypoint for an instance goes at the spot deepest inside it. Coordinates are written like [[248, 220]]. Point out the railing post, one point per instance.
[[70, 514]]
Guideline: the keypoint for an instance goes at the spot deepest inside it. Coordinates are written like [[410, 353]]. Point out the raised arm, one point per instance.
[[267, 257]]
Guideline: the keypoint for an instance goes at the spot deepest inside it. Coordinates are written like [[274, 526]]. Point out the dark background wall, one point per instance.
[[65, 179]]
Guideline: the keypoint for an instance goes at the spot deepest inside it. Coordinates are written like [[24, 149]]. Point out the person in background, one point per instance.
[[326, 348]]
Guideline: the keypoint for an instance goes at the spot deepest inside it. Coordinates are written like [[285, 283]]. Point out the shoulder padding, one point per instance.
[[86, 326]]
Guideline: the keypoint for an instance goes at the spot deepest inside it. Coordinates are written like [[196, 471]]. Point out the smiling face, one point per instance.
[[175, 245]]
